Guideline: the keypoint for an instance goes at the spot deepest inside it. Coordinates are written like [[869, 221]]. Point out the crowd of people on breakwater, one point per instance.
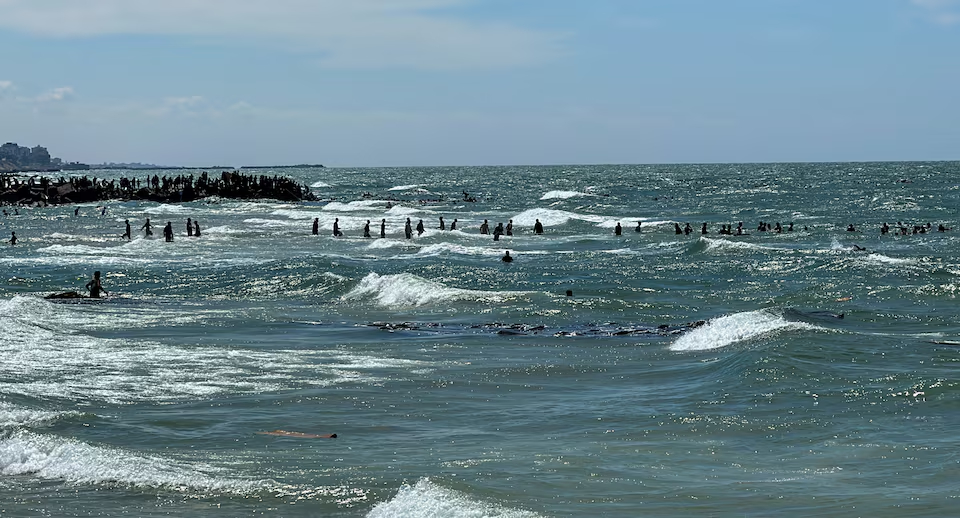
[[43, 191]]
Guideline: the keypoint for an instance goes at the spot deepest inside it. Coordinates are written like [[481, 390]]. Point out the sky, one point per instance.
[[357, 83]]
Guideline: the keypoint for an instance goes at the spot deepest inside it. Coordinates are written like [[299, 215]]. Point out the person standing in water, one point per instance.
[[366, 229], [485, 227], [453, 226], [538, 228], [13, 238], [95, 287], [189, 227], [442, 226], [126, 234], [510, 228], [316, 226], [148, 228], [420, 229], [336, 228], [618, 230], [639, 224], [383, 227], [408, 229], [497, 231], [168, 232], [196, 228]]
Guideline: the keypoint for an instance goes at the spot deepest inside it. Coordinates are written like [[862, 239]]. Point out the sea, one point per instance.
[[812, 371]]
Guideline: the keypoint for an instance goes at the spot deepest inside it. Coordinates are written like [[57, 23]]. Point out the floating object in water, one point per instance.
[[299, 435]]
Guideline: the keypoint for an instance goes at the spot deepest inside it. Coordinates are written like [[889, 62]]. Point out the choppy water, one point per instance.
[[462, 386]]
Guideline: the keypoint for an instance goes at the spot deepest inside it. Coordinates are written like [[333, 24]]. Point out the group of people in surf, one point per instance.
[[408, 228], [903, 230], [193, 229]]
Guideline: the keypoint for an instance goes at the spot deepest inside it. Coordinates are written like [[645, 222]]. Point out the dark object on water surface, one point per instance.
[[66, 295]]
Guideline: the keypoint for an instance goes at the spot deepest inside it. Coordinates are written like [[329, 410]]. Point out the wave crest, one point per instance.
[[428, 499], [406, 289], [738, 327]]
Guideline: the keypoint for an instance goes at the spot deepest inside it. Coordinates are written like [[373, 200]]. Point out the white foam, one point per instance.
[[400, 210], [71, 250], [731, 329], [271, 223], [54, 359], [453, 248], [379, 244], [293, 214], [428, 500], [13, 416], [882, 259], [169, 208], [353, 206], [317, 185], [404, 187], [717, 244], [552, 217], [406, 289], [57, 458], [563, 195]]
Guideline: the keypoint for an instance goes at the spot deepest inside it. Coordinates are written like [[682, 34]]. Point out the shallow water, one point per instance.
[[459, 385]]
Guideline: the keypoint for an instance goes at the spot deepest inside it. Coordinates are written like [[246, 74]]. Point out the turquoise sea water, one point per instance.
[[459, 385]]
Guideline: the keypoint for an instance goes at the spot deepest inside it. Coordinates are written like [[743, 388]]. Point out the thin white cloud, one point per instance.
[[341, 33], [50, 96], [55, 95], [944, 12]]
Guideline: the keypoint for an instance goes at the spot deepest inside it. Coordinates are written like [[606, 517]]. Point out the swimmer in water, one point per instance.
[[420, 229], [442, 225], [638, 227], [189, 227], [506, 257], [485, 227], [618, 230], [13, 238], [676, 229], [408, 229], [168, 232], [95, 287], [196, 228], [453, 226], [510, 228]]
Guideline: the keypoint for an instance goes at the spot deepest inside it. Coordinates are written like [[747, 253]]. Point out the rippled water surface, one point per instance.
[[811, 371]]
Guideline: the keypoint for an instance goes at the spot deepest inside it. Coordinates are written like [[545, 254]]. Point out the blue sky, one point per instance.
[[475, 82]]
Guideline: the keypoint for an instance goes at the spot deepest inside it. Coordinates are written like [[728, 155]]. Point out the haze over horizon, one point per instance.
[[481, 82]]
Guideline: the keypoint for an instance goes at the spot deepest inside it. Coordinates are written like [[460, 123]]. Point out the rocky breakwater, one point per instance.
[[41, 190]]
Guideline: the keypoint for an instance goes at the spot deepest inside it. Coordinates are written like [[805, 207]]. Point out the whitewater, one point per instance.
[[650, 373]]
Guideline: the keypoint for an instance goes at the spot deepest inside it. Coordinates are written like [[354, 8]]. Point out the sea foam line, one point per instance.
[[736, 328], [57, 458], [406, 289], [427, 499]]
